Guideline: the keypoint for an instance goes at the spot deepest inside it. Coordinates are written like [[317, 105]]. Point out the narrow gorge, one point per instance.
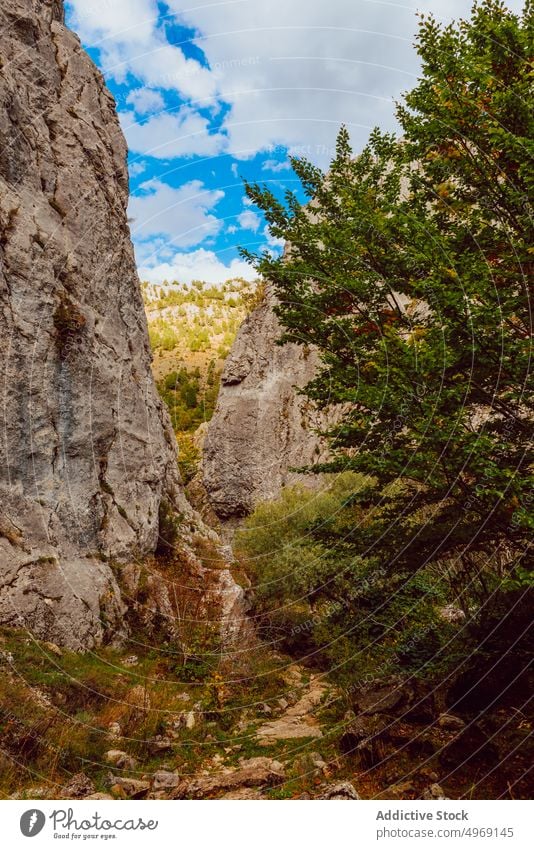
[[186, 611], [104, 564]]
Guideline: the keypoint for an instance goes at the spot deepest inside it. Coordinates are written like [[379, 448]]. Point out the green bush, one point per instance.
[[188, 457], [189, 400], [163, 335], [169, 528], [345, 612]]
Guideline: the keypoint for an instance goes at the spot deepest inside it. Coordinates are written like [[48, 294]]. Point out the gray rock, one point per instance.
[[183, 697], [254, 772], [79, 787], [471, 744], [87, 453], [309, 763], [261, 427], [435, 791], [243, 793], [159, 744], [382, 698], [358, 729], [98, 796], [114, 731], [120, 759], [132, 788], [33, 793], [452, 614], [190, 720], [450, 722], [164, 780], [341, 790], [298, 720]]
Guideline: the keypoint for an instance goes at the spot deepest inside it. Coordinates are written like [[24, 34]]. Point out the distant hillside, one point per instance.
[[191, 331]]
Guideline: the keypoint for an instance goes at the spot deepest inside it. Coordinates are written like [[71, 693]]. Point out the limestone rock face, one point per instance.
[[86, 451], [262, 427]]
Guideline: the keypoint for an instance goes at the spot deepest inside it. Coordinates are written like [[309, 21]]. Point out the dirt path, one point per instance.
[[298, 720]]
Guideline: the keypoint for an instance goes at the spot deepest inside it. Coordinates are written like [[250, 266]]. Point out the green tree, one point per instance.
[[410, 269]]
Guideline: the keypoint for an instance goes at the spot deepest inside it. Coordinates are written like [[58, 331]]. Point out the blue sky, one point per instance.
[[210, 92]]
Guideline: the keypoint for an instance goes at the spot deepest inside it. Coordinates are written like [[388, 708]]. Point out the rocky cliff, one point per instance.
[[262, 427], [87, 453]]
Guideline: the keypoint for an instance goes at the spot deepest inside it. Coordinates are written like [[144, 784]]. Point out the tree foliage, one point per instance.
[[410, 268]]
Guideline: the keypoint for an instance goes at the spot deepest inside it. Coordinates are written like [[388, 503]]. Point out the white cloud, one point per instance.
[[183, 215], [172, 134], [117, 20], [132, 39], [162, 65], [234, 169], [145, 100], [231, 229], [153, 251], [249, 220], [136, 168], [275, 165], [196, 265], [292, 72]]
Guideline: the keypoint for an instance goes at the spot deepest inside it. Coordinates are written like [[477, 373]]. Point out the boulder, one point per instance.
[[98, 796], [450, 722], [243, 793], [470, 744], [78, 787], [159, 744], [360, 729], [129, 788], [255, 772], [341, 790], [120, 759], [435, 791], [164, 780]]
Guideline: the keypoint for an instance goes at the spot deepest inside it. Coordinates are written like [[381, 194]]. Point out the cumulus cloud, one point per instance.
[[315, 66], [145, 101], [131, 39], [275, 166], [249, 220], [182, 215], [292, 72], [115, 20], [162, 65], [136, 168], [172, 134], [196, 265]]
